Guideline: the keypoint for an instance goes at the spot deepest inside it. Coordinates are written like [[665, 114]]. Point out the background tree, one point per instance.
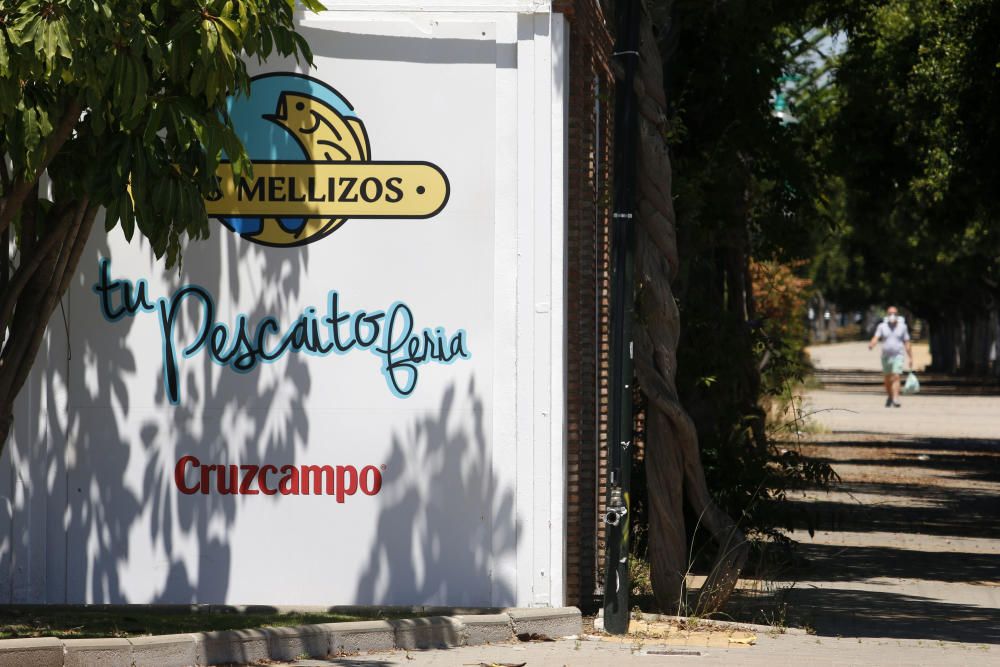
[[914, 139], [844, 144], [116, 104], [747, 190], [743, 190]]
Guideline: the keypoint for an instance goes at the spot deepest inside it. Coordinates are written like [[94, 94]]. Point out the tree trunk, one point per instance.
[[674, 472], [32, 293], [994, 339], [48, 256], [945, 337]]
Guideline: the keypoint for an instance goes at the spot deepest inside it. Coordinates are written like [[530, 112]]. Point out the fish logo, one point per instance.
[[312, 168], [321, 129]]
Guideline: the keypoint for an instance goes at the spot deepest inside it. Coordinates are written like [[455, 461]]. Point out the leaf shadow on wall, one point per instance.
[[111, 447], [230, 424], [445, 521]]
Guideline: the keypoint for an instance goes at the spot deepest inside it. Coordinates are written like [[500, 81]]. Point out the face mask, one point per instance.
[[892, 319]]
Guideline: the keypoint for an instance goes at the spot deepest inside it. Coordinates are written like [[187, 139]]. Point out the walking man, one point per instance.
[[895, 338]]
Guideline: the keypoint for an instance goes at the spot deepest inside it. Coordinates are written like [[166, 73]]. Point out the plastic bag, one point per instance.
[[912, 385]]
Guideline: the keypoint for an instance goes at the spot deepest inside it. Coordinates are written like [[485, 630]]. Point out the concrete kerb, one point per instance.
[[41, 652], [164, 651], [289, 643], [239, 646], [361, 636], [104, 652], [430, 632], [485, 629], [551, 622]]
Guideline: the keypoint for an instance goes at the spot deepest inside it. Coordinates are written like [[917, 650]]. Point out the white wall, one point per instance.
[[472, 507]]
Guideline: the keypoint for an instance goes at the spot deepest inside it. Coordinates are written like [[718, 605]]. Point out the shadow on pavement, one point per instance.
[[856, 563], [863, 613], [910, 442], [926, 490], [949, 478], [963, 514]]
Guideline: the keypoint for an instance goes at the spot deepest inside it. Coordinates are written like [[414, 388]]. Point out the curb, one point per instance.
[[289, 643]]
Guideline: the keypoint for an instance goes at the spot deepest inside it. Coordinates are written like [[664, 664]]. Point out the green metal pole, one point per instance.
[[616, 581]]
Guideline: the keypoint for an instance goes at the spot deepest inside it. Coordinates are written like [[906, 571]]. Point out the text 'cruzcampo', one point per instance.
[[389, 334]]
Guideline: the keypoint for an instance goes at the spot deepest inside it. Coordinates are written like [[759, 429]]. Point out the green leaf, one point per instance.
[[111, 215], [313, 5], [4, 56], [152, 77], [128, 218]]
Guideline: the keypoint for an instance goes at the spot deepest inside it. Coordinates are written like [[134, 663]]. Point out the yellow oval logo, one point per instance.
[[312, 167]]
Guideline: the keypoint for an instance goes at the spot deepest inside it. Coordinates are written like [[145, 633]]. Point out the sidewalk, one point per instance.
[[907, 545], [770, 651], [855, 355]]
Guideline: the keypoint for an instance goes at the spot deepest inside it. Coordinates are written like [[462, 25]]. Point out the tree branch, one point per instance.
[[20, 188], [68, 261], [27, 269], [29, 310], [29, 221], [4, 174]]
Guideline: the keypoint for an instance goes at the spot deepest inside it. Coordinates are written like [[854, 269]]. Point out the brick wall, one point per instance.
[[591, 101]]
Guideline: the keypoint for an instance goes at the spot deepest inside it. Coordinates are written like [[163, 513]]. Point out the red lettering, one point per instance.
[[343, 487], [179, 478], [370, 488], [289, 484], [262, 480], [253, 480], [206, 478], [234, 479], [322, 477], [249, 473]]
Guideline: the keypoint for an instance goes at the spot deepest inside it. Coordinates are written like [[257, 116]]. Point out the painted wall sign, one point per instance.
[[192, 476], [383, 402], [311, 172], [312, 167], [389, 334]]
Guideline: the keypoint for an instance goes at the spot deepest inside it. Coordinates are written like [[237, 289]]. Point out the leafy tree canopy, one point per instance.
[[118, 104], [107, 93], [914, 138]]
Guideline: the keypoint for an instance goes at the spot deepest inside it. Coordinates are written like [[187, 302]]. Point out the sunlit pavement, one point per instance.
[[855, 355], [775, 649], [907, 544]]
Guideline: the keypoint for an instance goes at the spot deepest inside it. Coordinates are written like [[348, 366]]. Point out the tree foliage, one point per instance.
[[841, 145], [914, 138], [880, 171], [746, 188], [115, 104]]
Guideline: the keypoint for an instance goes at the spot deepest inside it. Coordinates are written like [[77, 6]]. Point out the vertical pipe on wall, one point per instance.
[[616, 588]]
